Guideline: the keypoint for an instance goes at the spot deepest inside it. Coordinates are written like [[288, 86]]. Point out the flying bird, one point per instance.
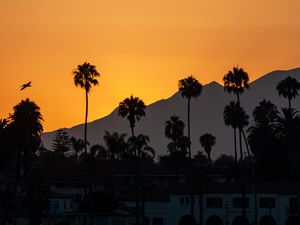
[[26, 85]]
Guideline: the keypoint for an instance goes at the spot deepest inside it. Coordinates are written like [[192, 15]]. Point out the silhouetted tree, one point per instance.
[[77, 145], [26, 123], [207, 140], [133, 109], [85, 76], [141, 143], [236, 81], [261, 132], [174, 130], [61, 142], [288, 88], [115, 145], [288, 131], [189, 88]]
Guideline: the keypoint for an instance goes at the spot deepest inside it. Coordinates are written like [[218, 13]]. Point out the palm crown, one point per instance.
[[174, 128], [27, 116], [85, 76], [207, 141], [236, 81], [288, 88], [189, 87], [133, 108]]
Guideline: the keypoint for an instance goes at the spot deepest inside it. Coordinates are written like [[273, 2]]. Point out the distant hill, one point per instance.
[[206, 115]]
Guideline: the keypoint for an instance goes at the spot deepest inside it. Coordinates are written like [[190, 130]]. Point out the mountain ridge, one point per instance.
[[206, 115]]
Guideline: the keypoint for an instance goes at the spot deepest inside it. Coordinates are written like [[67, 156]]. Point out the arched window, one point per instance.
[[267, 220], [292, 220], [240, 220], [214, 220]]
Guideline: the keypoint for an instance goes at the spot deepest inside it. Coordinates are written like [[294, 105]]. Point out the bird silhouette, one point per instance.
[[26, 85]]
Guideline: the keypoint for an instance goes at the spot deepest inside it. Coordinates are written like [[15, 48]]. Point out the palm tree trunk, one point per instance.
[[290, 105], [235, 148], [189, 128], [85, 122], [137, 200], [242, 175]]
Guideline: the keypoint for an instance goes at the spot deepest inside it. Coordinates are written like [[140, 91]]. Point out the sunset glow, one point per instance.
[[139, 47]]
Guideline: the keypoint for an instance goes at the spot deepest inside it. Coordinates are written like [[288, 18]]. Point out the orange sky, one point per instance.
[[139, 47]]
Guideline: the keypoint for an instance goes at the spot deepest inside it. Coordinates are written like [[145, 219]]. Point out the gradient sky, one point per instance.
[[139, 47]]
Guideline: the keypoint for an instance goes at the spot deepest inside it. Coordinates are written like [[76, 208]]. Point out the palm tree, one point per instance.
[[287, 129], [85, 76], [288, 88], [115, 144], [141, 142], [133, 109], [77, 146], [26, 121], [189, 88], [261, 130], [174, 128], [207, 140], [236, 81]]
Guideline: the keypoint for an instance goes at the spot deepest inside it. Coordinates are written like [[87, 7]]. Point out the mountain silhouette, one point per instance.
[[206, 115]]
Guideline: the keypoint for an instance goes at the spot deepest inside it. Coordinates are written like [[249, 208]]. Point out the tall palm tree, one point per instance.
[[236, 81], [207, 140], [85, 76], [77, 145], [189, 88], [288, 88], [133, 109], [26, 121]]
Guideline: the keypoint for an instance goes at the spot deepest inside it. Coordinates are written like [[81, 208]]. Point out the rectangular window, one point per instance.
[[214, 202], [238, 202], [65, 204], [267, 203], [158, 221]]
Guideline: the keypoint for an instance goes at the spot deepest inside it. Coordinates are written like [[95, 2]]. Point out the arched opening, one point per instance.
[[214, 220], [240, 220], [292, 220], [267, 220], [187, 220]]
